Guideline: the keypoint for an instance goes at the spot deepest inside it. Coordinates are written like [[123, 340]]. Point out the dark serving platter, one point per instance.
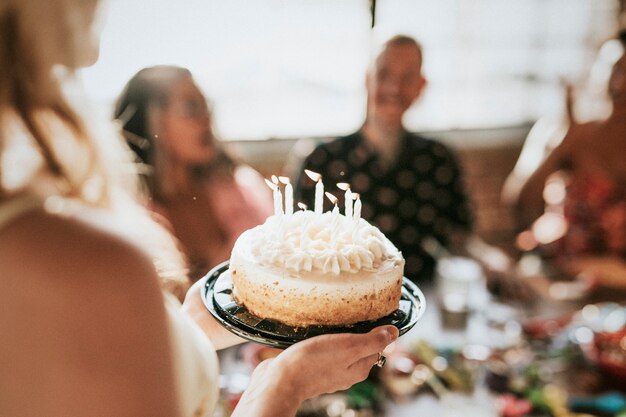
[[217, 296]]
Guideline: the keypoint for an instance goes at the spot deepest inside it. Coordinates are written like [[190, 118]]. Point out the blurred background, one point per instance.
[[278, 71]]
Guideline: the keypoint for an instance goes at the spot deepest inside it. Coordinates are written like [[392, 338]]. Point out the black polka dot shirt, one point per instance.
[[420, 195]]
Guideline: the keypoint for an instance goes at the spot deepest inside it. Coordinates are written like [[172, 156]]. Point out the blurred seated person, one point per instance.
[[574, 203], [207, 197], [410, 187], [587, 102]]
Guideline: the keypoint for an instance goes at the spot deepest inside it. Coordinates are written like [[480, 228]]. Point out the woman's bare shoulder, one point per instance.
[[82, 303], [68, 247], [48, 257]]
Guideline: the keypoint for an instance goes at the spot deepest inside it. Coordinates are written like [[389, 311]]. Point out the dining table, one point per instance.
[[497, 356], [499, 341]]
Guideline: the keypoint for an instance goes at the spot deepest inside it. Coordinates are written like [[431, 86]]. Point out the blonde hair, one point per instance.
[[75, 162], [32, 100]]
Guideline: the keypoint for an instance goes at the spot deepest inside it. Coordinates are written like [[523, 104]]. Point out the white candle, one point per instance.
[[319, 191], [333, 200], [347, 197], [357, 209], [289, 199], [288, 194], [278, 198], [319, 197], [278, 202]]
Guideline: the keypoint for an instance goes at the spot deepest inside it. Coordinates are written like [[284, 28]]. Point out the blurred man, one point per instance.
[[410, 187]]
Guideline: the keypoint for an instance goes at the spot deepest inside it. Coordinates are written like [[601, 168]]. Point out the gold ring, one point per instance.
[[381, 360]]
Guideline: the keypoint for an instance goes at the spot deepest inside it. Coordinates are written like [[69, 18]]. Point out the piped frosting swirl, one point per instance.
[[326, 243]]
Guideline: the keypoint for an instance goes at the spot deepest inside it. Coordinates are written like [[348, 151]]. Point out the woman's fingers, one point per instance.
[[364, 365], [365, 344], [377, 340], [332, 362]]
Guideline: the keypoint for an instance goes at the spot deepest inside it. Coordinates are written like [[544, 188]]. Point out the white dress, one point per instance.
[[195, 358]]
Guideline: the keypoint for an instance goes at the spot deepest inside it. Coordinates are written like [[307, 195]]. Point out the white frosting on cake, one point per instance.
[[324, 243]]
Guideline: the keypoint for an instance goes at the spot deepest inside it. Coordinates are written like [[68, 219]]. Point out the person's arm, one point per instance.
[[195, 308], [83, 324], [323, 364], [530, 204], [543, 137], [545, 150]]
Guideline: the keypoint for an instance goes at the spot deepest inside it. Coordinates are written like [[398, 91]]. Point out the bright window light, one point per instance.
[[296, 68]]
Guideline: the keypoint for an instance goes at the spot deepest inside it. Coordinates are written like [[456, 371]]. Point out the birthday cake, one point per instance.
[[311, 268]]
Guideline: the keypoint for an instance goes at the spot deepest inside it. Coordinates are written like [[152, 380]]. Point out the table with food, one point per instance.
[[563, 353]]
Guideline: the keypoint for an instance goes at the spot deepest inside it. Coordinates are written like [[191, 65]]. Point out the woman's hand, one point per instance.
[[315, 366], [195, 308], [330, 363]]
